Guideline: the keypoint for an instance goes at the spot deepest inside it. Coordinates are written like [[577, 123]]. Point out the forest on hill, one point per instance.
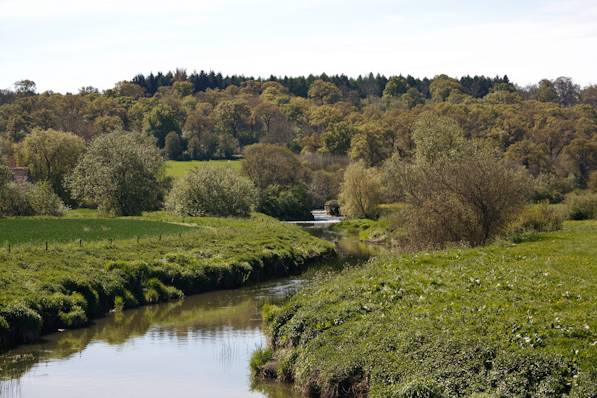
[[549, 128]]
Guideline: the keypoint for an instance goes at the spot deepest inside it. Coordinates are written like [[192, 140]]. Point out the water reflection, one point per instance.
[[200, 347], [197, 347]]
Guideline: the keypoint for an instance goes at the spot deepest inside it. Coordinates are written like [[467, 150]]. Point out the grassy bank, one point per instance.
[[70, 283], [507, 320], [386, 228], [178, 169]]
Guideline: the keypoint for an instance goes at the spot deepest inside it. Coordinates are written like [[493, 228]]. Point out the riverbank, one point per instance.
[[503, 320], [71, 280]]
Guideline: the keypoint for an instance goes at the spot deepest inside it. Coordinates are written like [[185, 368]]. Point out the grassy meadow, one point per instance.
[[68, 284], [506, 320], [178, 169], [21, 230]]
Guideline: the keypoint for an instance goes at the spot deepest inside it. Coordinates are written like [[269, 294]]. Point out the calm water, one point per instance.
[[198, 347]]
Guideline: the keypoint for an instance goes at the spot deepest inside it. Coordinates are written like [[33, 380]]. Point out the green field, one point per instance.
[[32, 229], [178, 169], [506, 320], [70, 283]]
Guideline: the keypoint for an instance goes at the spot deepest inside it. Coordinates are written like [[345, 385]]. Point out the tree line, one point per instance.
[[547, 128]]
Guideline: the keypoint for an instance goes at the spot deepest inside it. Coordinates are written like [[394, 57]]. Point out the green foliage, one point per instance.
[[232, 117], [173, 146], [43, 201], [324, 92], [457, 191], [582, 205], [286, 202], [504, 320], [68, 284], [267, 164], [24, 199], [75, 318], [212, 191], [396, 86], [121, 172], [551, 188], [437, 136], [372, 143], [361, 191], [160, 121], [259, 360], [540, 217], [13, 200], [216, 117], [442, 86], [324, 186], [49, 156], [337, 137]]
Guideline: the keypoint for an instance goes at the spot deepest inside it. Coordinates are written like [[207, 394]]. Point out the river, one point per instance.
[[196, 347]]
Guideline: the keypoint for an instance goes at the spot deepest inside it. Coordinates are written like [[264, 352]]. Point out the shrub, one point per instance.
[[43, 201], [286, 203], [24, 322], [49, 156], [468, 197], [267, 164], [122, 173], [539, 218], [551, 188], [261, 363], [212, 191], [323, 186], [13, 200], [74, 318], [360, 192], [24, 199], [582, 206]]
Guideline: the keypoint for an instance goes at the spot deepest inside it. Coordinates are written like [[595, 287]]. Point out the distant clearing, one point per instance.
[[178, 169]]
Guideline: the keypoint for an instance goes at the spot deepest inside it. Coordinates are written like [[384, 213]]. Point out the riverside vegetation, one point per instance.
[[124, 263], [460, 164], [506, 320]]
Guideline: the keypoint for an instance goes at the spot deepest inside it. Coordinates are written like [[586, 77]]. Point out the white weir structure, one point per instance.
[[322, 220]]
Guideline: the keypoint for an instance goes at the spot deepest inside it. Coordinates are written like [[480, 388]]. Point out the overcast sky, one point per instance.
[[65, 44]]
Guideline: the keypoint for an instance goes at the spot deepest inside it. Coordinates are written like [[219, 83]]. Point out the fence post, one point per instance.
[[46, 245], [9, 248], [137, 239], [80, 242]]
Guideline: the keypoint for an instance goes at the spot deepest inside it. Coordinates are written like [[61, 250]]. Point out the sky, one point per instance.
[[63, 45]]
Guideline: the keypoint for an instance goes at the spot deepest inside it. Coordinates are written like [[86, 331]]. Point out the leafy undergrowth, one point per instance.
[[388, 227], [68, 284], [508, 320]]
